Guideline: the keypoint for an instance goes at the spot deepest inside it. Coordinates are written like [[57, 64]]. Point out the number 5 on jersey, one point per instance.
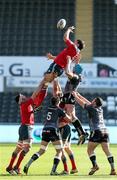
[[49, 116]]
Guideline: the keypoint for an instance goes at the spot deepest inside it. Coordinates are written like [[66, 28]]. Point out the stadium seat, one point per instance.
[[104, 17], [111, 108], [23, 23], [9, 110]]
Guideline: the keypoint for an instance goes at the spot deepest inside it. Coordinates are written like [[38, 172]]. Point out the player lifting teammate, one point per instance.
[[51, 133], [99, 133], [74, 78], [60, 61], [27, 109]]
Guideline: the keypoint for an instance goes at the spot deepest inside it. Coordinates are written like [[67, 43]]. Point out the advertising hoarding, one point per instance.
[[12, 135], [86, 82], [35, 66]]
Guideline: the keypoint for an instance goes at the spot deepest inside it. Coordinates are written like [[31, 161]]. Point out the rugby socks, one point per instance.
[[13, 158], [78, 127], [33, 158], [64, 160], [111, 161], [71, 157], [55, 164], [93, 159], [21, 157]]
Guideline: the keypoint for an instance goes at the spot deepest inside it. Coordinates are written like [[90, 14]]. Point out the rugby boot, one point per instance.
[[113, 172], [54, 173], [93, 170], [10, 171], [17, 170], [25, 170], [64, 172], [73, 171]]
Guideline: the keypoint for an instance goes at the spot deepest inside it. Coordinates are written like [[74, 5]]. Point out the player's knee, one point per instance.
[[67, 148], [49, 77], [19, 146], [25, 151], [43, 149], [59, 153], [58, 147]]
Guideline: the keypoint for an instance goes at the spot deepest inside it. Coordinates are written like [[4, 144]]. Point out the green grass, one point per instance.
[[41, 168]]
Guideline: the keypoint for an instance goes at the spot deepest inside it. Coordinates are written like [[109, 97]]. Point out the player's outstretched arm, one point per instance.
[[80, 99], [68, 71], [57, 90], [67, 33], [84, 99]]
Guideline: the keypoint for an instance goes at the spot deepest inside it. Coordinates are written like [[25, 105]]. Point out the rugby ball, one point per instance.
[[61, 24]]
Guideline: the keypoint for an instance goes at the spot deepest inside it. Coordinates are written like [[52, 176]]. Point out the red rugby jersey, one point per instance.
[[26, 112], [71, 50], [40, 97]]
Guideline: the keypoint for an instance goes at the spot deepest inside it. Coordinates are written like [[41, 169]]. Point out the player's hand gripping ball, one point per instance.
[[61, 24]]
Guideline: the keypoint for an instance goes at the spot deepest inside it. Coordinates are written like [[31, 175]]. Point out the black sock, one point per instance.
[[111, 161], [78, 127], [33, 158], [55, 164], [93, 160]]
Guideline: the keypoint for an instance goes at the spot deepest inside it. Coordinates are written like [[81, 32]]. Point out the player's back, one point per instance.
[[96, 120], [61, 58], [53, 115]]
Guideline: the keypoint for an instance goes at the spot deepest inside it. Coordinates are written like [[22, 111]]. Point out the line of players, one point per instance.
[[51, 131]]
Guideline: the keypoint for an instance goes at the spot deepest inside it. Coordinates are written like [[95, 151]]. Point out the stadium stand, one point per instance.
[[105, 28], [28, 28], [9, 110]]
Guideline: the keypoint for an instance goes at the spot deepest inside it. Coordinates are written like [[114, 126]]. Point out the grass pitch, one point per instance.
[[41, 168]]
